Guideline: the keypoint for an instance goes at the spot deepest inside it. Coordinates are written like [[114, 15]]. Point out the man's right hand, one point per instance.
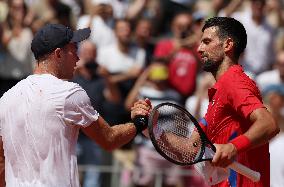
[[141, 107], [225, 155]]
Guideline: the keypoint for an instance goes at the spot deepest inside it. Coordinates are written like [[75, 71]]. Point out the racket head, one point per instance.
[[177, 135]]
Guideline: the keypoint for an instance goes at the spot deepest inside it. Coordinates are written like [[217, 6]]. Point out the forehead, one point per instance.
[[182, 19], [211, 32], [122, 24]]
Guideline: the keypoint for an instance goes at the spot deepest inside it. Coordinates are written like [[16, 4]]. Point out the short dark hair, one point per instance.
[[229, 27]]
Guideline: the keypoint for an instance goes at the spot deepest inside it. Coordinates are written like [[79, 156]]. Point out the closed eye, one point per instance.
[[206, 41]]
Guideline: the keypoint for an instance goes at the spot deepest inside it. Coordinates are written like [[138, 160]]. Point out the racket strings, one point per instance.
[[176, 135]]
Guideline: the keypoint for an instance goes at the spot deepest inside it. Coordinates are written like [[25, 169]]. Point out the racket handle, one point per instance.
[[249, 173], [141, 123]]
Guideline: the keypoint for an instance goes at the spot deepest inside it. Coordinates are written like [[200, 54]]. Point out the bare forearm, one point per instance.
[[261, 131], [135, 9], [120, 77], [121, 135], [113, 137], [232, 7], [108, 137]]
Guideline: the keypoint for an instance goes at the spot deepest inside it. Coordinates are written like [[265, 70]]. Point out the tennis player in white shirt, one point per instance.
[[41, 116]]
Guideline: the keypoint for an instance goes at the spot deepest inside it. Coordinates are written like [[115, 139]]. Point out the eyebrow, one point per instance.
[[205, 39]]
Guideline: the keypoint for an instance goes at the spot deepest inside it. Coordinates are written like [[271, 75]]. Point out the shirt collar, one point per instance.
[[223, 78]]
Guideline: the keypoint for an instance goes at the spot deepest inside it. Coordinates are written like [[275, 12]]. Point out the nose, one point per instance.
[[77, 58], [199, 49]]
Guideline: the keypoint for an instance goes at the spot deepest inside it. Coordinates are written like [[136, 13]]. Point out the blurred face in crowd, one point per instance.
[[181, 25], [123, 31], [103, 10], [17, 10], [257, 7], [87, 51], [211, 50], [143, 30]]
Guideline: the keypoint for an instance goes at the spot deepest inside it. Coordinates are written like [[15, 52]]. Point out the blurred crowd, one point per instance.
[[147, 49]]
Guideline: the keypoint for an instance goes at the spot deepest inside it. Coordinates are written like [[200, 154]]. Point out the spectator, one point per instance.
[[51, 11], [259, 53], [197, 103], [274, 99], [275, 76], [275, 13], [183, 65], [16, 39], [224, 6], [99, 20], [169, 9], [126, 60], [153, 84], [143, 38]]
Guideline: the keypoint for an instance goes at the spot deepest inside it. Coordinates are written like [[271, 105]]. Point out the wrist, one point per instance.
[[241, 143], [140, 123]]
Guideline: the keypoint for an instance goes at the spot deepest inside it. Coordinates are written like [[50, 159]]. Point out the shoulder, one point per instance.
[[73, 87], [235, 81], [77, 96], [15, 89]]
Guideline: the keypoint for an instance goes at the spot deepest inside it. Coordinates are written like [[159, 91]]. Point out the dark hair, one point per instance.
[[229, 28]]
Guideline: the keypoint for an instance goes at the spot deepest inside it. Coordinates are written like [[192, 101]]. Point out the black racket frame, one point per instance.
[[205, 141]]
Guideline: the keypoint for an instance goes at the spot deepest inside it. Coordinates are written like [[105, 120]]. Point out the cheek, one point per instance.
[[73, 58], [216, 52]]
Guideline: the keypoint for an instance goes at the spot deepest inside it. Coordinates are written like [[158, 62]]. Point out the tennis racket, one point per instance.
[[178, 137]]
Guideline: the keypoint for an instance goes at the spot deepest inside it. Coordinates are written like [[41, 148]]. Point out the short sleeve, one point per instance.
[[244, 98], [78, 109]]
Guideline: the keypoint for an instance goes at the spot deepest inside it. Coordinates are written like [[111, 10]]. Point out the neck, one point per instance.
[[123, 48], [45, 67], [141, 42], [257, 20], [225, 65]]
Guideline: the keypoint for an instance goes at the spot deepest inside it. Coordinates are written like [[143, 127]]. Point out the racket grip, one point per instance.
[[249, 173], [141, 123]]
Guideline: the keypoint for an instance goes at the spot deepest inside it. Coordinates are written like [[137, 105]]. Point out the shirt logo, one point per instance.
[[213, 102]]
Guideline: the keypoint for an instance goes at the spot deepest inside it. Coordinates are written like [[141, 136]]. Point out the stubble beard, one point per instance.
[[211, 66]]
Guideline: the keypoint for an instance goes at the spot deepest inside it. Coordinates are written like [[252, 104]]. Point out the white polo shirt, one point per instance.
[[40, 119]]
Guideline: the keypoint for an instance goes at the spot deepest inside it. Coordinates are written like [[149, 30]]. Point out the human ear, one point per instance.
[[228, 45], [58, 52]]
